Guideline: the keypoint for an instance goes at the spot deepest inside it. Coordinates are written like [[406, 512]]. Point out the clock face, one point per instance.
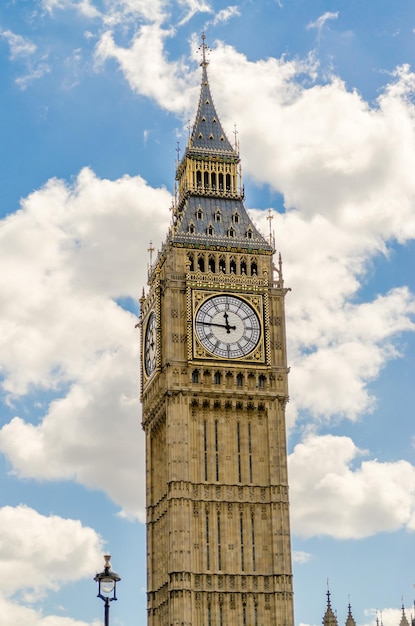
[[227, 326], [150, 345]]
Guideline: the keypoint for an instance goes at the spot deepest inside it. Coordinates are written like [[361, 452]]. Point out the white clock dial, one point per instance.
[[227, 326], [150, 345]]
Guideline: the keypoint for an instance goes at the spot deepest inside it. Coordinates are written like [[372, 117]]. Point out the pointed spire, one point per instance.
[[404, 619], [208, 134], [329, 618], [350, 621]]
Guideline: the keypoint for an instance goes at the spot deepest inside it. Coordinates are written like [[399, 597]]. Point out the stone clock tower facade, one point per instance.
[[214, 390]]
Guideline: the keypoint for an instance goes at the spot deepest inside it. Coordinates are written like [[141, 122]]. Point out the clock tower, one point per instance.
[[214, 390]]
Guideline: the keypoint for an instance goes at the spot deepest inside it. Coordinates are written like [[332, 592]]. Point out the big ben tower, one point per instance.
[[214, 390]]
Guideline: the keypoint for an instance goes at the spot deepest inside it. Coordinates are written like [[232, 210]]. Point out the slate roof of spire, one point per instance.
[[218, 222], [208, 134]]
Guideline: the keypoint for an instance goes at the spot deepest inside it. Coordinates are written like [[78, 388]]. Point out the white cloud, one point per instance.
[[388, 616], [147, 70], [19, 46], [225, 15], [34, 73], [321, 21], [40, 553], [380, 497], [22, 48], [114, 12], [13, 614], [299, 556], [84, 7], [193, 7], [75, 249]]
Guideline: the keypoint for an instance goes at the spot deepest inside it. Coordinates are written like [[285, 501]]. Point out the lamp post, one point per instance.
[[107, 586]]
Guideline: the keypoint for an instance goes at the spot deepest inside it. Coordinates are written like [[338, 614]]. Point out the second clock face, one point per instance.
[[150, 345], [227, 326]]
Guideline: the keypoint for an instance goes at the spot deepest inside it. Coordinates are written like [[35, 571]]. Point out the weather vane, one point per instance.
[[204, 49]]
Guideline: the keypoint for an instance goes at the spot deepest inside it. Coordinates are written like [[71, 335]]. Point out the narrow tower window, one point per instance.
[[217, 378], [222, 265], [250, 452], [219, 544], [239, 380], [238, 438], [195, 376], [232, 267], [207, 542], [212, 264], [253, 542], [241, 533], [205, 451], [216, 450]]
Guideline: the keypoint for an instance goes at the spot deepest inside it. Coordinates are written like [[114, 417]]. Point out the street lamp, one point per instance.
[[107, 585]]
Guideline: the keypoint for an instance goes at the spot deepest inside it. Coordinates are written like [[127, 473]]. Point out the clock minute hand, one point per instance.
[[228, 328]]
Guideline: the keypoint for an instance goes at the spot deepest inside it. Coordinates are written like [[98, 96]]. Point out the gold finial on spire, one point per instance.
[[235, 132], [204, 49], [270, 217]]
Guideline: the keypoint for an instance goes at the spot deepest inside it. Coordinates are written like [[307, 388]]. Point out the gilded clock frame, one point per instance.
[[197, 351]]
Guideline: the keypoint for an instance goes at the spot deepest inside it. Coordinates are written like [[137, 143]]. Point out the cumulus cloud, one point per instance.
[[389, 617], [13, 614], [41, 553], [380, 497], [345, 169], [147, 70], [75, 249]]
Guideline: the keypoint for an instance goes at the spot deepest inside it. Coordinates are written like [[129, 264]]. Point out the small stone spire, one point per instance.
[[329, 618], [350, 621], [404, 619]]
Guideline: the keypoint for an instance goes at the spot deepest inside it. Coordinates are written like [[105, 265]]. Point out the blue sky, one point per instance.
[[94, 97]]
